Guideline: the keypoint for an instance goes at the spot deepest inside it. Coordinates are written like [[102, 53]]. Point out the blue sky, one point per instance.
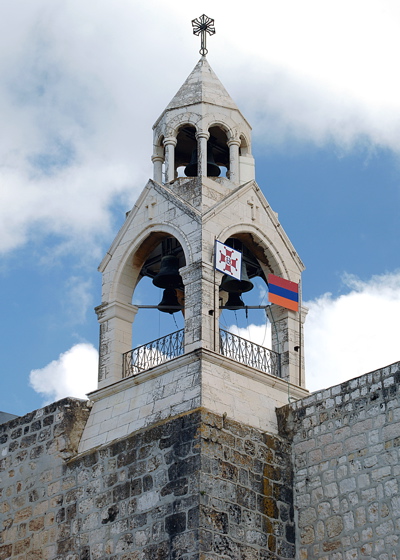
[[81, 88]]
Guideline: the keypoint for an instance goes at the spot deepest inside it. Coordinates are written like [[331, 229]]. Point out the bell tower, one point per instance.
[[203, 190], [189, 448]]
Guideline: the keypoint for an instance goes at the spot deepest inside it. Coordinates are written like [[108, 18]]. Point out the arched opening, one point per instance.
[[187, 152], [244, 148], [218, 149], [157, 333], [186, 146]]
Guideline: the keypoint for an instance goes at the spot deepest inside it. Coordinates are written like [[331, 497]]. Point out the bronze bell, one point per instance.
[[191, 170], [169, 303], [168, 275], [233, 285], [234, 300]]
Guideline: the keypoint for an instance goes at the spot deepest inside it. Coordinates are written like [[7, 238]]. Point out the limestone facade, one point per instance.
[[201, 378]]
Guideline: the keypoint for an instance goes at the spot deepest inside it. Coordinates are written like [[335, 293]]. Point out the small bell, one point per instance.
[[169, 302], [234, 300], [213, 170], [168, 275], [233, 285], [191, 168]]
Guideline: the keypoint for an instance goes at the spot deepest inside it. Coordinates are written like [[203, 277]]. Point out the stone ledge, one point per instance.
[[194, 356]]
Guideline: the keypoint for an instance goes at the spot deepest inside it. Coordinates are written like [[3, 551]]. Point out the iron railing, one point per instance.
[[171, 346], [249, 353], [153, 354]]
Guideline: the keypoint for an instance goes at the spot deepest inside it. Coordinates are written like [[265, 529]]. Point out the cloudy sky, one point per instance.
[[82, 83]]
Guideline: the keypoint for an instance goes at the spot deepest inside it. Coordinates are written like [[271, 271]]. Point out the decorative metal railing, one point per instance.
[[153, 354], [171, 346], [249, 353]]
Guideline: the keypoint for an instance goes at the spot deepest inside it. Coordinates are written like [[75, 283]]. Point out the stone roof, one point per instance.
[[202, 86]]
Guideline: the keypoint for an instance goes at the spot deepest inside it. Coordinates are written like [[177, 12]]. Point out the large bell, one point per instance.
[[233, 285], [234, 300], [168, 275], [169, 302], [191, 170]]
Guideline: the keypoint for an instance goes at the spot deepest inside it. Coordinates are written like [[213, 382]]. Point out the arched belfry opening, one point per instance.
[[218, 149], [162, 266], [232, 290], [244, 309], [152, 277], [186, 149]]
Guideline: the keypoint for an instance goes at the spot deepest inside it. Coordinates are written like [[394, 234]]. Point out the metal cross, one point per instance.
[[203, 25]]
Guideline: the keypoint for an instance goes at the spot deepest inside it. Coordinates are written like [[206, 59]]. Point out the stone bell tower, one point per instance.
[[210, 383], [202, 134], [197, 445]]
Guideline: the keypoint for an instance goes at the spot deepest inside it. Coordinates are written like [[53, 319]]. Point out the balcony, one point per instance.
[[153, 353], [248, 353], [171, 346]]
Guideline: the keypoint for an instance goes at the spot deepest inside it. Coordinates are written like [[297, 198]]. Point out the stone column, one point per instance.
[[115, 339], [170, 144], [285, 326], [157, 168], [202, 138], [201, 322], [234, 160]]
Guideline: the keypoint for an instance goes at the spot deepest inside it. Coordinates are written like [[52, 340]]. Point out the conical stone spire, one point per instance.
[[202, 86]]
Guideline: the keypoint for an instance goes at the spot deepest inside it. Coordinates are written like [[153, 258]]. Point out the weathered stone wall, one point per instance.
[[346, 447], [246, 493], [201, 486], [33, 451], [197, 486]]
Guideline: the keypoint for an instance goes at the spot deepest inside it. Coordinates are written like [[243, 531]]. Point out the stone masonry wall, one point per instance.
[[346, 448], [33, 451], [246, 494], [198, 486]]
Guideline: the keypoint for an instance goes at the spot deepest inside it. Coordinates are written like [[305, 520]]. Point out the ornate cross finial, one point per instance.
[[203, 25]]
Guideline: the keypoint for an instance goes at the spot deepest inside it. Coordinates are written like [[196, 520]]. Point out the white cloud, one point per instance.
[[74, 374], [352, 334], [83, 82], [260, 334]]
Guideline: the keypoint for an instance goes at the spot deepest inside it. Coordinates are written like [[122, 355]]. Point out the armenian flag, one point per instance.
[[283, 292]]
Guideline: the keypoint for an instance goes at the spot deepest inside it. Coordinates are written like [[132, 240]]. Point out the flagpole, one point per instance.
[[300, 332], [215, 303]]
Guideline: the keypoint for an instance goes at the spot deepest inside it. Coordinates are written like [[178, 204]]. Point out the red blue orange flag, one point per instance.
[[283, 292]]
